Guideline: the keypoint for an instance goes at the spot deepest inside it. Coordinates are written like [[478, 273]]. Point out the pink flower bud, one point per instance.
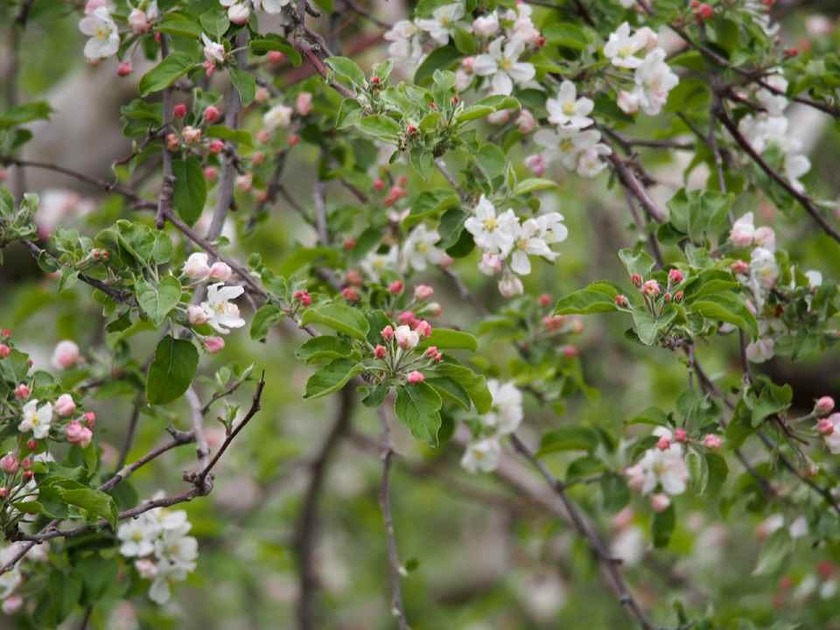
[[196, 315], [526, 122], [31, 444], [65, 406], [5, 333], [407, 317], [415, 377], [275, 56], [211, 173], [651, 288], [659, 502], [423, 328], [380, 352], [712, 441], [216, 146], [214, 345], [423, 292], [124, 69], [822, 407], [350, 294], [554, 322], [536, 163], [544, 300], [499, 117], [220, 271], [28, 475], [12, 604], [303, 297], [664, 443], [65, 355], [90, 418], [570, 351], [5, 351], [396, 287], [245, 182], [433, 309], [678, 297], [636, 279], [78, 434], [825, 427], [388, 333], [303, 103], [179, 111], [192, 135], [680, 436], [622, 301], [262, 95], [10, 463], [675, 276], [211, 114], [22, 391], [467, 64], [740, 267], [138, 21]]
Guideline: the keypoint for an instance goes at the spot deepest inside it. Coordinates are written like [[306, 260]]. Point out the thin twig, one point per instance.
[[167, 187]]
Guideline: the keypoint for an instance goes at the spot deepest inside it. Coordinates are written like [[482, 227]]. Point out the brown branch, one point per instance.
[[167, 187], [306, 529], [395, 568], [629, 180]]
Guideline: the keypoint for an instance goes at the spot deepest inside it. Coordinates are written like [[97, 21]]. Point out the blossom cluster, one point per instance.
[[163, 552], [505, 416], [760, 278], [239, 11], [507, 243], [218, 310], [399, 353], [769, 129], [103, 32], [505, 36]]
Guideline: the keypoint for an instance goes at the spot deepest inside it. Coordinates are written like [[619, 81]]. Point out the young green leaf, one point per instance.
[[171, 371]]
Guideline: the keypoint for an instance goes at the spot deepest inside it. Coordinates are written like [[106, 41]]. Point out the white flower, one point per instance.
[[763, 268], [137, 536], [406, 338], [815, 278], [490, 264], [660, 467], [405, 45], [213, 51], [743, 231], [762, 131], [375, 264], [506, 413], [568, 144], [271, 6], [589, 162], [104, 37], [482, 456], [419, 248], [567, 110], [833, 441], [36, 419], [529, 241], [523, 28], [765, 237], [222, 314], [279, 116], [503, 67], [629, 546], [493, 234], [238, 10], [654, 79], [629, 102], [552, 228], [9, 581], [774, 103], [795, 167], [196, 267], [761, 350], [510, 285], [486, 25], [622, 46], [440, 26]]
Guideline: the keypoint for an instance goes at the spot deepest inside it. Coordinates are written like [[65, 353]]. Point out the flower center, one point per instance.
[[505, 63], [569, 108], [490, 224], [567, 145]]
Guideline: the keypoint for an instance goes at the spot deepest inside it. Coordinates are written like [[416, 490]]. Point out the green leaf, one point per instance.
[[157, 301], [450, 390], [339, 317], [374, 396], [22, 114], [651, 415], [598, 297], [98, 504], [215, 23], [166, 73], [324, 347], [190, 192], [767, 399], [568, 439], [567, 35], [700, 213], [222, 132], [178, 24], [266, 316], [646, 327], [439, 59], [718, 471], [636, 262], [474, 384], [381, 128], [171, 371], [332, 377], [448, 339], [534, 184], [245, 83], [774, 554], [418, 407], [491, 161], [663, 526], [264, 45], [347, 70], [616, 492]]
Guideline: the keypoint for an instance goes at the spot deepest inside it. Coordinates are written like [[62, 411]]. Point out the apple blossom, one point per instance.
[[415, 377], [441, 23], [503, 67], [222, 313], [104, 36], [78, 434], [482, 456], [303, 103], [406, 338], [567, 110], [823, 406], [492, 233], [197, 266], [65, 355], [64, 405], [36, 420], [278, 117], [214, 345], [238, 10], [510, 286], [486, 25]]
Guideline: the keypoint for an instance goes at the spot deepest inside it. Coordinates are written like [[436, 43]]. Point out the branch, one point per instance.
[[196, 414], [306, 529], [167, 187], [629, 180], [396, 569]]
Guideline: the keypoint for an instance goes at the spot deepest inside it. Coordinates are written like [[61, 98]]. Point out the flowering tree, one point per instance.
[[561, 273]]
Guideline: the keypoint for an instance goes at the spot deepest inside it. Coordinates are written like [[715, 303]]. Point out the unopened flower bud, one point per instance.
[[712, 441], [5, 351], [124, 69], [78, 434], [179, 111], [675, 276], [211, 173], [415, 377], [196, 315], [396, 287], [659, 502], [65, 406], [10, 463], [651, 288], [680, 436], [824, 405], [211, 114], [220, 271], [380, 352], [406, 338], [636, 279], [825, 427], [388, 333], [22, 391], [423, 292], [664, 443], [216, 146], [214, 345], [350, 294]]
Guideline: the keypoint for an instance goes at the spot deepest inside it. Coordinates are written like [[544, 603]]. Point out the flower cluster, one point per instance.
[[99, 25], [505, 36], [506, 243], [504, 417], [239, 11], [218, 310], [769, 129], [163, 551], [399, 353], [653, 79]]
